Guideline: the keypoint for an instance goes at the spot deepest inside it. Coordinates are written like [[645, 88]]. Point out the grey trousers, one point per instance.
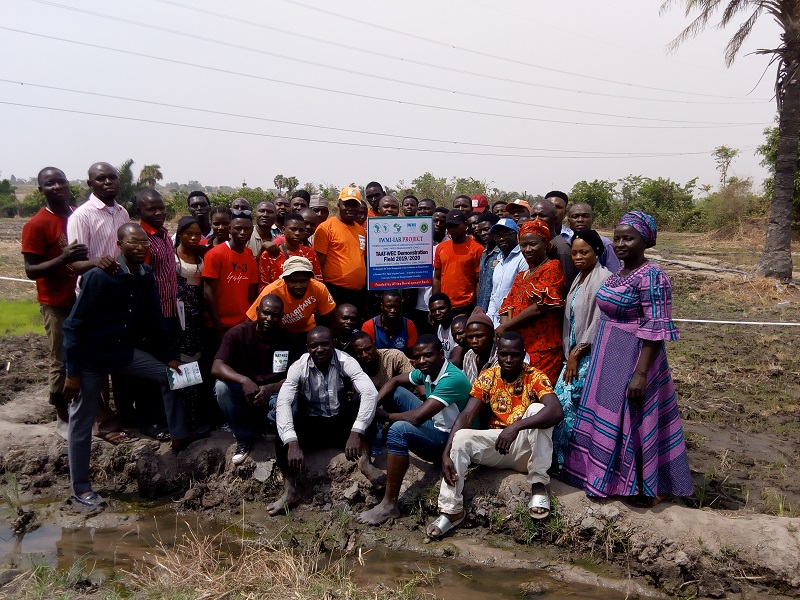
[[83, 409]]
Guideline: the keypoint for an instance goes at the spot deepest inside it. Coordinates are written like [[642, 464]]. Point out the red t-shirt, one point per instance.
[[460, 264], [270, 269], [45, 235], [235, 273]]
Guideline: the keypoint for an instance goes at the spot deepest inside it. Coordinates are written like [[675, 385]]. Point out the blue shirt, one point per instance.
[[504, 275], [114, 314], [609, 258]]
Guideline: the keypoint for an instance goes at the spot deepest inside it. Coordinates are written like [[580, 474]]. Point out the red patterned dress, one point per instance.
[[542, 335]]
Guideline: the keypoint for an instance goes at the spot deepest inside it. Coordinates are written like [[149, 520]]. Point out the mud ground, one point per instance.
[[739, 394]]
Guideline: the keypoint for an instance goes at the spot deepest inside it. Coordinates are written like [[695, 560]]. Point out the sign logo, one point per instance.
[[423, 228]]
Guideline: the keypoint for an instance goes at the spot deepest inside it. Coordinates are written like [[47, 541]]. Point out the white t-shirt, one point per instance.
[[446, 337]]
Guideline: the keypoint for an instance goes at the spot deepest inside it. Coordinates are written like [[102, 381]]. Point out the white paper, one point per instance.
[[280, 361], [189, 376]]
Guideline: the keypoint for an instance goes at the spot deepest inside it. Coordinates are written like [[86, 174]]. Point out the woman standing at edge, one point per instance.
[[628, 438], [189, 267], [534, 306], [580, 324]]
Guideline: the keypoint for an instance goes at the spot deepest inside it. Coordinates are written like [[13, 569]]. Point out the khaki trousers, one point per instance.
[[531, 453], [54, 317]]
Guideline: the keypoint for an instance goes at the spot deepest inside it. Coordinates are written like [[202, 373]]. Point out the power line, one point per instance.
[[318, 141], [411, 61], [223, 43], [451, 46], [367, 96], [344, 130]]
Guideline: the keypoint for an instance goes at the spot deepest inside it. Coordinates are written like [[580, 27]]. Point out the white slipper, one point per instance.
[[443, 524], [539, 501]]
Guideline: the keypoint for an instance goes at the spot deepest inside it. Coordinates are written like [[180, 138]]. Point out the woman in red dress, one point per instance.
[[535, 305]]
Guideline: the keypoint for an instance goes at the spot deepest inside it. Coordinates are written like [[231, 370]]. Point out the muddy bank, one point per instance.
[[673, 548]]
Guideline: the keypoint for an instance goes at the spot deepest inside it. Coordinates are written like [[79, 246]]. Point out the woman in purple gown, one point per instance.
[[628, 438]]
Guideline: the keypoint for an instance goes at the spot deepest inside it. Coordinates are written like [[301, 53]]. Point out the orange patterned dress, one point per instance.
[[542, 335]]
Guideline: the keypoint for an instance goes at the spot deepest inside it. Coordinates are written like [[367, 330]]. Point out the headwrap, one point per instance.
[[591, 237], [479, 316], [536, 227], [643, 223]]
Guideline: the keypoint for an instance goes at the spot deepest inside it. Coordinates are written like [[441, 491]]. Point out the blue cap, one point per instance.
[[507, 223]]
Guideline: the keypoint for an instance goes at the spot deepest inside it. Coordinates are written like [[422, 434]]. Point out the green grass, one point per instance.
[[18, 317]]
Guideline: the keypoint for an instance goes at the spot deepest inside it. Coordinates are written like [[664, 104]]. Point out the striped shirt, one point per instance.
[[95, 224], [162, 260], [319, 394]]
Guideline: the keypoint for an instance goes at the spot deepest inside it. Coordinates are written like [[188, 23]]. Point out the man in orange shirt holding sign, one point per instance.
[[341, 245]]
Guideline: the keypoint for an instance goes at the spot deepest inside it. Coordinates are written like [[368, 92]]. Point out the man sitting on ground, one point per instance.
[[379, 364], [524, 411], [302, 296], [422, 427], [115, 326], [335, 403], [250, 367], [391, 329]]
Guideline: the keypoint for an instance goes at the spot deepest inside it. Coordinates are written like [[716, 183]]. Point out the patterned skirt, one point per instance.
[[620, 448]]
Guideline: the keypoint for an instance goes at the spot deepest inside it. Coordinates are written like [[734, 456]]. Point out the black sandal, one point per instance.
[[156, 432]]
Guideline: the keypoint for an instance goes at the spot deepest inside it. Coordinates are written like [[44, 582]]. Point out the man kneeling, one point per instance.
[[335, 403], [524, 411]]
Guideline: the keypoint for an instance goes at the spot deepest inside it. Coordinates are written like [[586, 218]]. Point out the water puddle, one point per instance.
[[111, 551]]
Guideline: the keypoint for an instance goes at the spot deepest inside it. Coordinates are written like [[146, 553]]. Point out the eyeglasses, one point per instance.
[[241, 213], [143, 244]]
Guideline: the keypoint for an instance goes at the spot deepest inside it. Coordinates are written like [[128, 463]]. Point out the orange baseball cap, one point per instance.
[[350, 193], [521, 202]]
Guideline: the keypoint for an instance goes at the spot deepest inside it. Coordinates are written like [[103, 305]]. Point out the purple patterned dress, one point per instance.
[[619, 448]]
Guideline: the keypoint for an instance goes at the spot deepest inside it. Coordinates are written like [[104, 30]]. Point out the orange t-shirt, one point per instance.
[[460, 264], [344, 247], [298, 313], [235, 272]]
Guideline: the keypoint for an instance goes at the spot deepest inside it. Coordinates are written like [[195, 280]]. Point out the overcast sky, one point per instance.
[[475, 78]]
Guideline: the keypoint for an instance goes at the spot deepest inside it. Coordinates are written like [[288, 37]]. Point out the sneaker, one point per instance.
[[92, 500], [240, 454]]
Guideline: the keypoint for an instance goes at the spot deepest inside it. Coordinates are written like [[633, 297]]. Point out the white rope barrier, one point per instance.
[[15, 279], [735, 322]]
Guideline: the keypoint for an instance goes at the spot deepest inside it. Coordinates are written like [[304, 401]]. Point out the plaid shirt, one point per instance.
[[162, 260]]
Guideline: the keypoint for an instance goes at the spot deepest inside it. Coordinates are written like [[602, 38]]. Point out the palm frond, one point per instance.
[[735, 43]]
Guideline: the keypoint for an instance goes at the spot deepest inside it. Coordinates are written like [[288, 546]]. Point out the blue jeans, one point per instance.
[[83, 409], [424, 440], [245, 421]]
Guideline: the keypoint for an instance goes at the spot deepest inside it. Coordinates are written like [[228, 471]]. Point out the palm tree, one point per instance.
[[278, 181], [776, 260], [150, 174], [291, 183]]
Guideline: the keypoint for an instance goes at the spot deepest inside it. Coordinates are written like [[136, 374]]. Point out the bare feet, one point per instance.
[[433, 531], [288, 499], [379, 514], [377, 478]]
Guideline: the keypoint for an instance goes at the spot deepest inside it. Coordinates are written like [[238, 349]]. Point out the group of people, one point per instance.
[[539, 346]]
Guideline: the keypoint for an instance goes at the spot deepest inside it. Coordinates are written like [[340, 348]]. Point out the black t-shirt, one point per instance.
[[246, 353]]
